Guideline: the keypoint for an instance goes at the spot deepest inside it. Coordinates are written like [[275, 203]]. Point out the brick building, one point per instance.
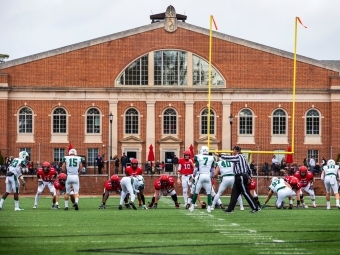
[[154, 81]]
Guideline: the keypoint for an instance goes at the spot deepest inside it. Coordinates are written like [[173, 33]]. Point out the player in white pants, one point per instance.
[[282, 189], [72, 165], [329, 177], [127, 184]]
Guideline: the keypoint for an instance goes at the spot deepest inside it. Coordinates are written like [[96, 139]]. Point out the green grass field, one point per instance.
[[166, 230]]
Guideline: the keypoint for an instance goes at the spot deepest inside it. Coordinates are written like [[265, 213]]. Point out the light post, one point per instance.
[[231, 119], [110, 151]]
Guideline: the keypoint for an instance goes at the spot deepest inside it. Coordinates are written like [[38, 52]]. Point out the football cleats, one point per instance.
[[331, 162], [46, 167], [72, 152], [204, 150], [134, 163], [23, 155]]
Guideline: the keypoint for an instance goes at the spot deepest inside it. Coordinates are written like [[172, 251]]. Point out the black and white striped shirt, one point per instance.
[[241, 165]]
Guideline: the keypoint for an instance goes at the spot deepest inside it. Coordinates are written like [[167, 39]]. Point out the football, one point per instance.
[[204, 205]]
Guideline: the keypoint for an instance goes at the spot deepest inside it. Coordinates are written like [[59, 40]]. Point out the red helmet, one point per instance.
[[62, 177], [303, 169], [164, 177], [187, 153], [46, 166], [115, 178], [134, 163]]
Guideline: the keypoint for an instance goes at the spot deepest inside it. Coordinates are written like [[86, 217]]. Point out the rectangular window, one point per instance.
[[314, 153], [246, 125], [312, 126], [279, 125], [91, 156], [204, 129], [279, 156], [59, 123], [58, 155], [131, 124], [169, 125], [93, 124]]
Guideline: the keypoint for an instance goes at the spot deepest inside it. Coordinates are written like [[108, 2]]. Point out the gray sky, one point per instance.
[[32, 26]]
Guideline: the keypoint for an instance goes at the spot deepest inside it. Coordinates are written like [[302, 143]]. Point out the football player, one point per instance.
[[306, 179], [282, 189], [12, 179], [113, 184], [59, 186], [135, 170], [204, 168], [163, 186], [185, 170], [329, 176], [46, 177], [296, 186], [72, 166], [139, 185], [128, 187]]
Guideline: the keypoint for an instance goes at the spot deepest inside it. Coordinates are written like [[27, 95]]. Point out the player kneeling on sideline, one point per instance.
[[113, 184], [59, 185], [282, 189], [46, 176], [163, 186]]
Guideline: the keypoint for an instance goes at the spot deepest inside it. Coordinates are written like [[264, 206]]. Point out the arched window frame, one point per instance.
[[204, 122], [93, 121], [313, 122], [246, 122], [59, 121], [131, 121], [279, 122], [169, 121], [25, 120]]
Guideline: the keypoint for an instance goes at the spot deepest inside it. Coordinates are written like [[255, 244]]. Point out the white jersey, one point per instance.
[[226, 167], [205, 163], [15, 168], [277, 185], [72, 164], [331, 170]]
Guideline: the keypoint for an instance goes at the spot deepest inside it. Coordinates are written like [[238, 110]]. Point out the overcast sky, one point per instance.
[[32, 26]]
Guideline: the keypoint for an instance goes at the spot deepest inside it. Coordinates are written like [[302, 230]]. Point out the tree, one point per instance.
[[3, 57]]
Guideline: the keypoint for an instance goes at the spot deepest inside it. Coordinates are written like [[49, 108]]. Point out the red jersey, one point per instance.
[[129, 171], [252, 185], [58, 185], [185, 166], [304, 180], [46, 177], [170, 183], [108, 186], [293, 182]]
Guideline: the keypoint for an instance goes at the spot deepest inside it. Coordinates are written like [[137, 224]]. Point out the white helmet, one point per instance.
[[204, 150], [274, 179], [72, 152], [140, 178], [23, 154], [331, 162]]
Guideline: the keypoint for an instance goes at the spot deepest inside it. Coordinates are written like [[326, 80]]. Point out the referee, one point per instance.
[[242, 173]]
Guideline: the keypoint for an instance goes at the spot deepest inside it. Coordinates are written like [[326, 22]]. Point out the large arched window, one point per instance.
[[93, 121], [59, 121], [246, 122], [131, 121], [170, 67], [279, 122], [313, 122], [201, 73], [169, 121], [136, 73], [25, 120], [204, 122]]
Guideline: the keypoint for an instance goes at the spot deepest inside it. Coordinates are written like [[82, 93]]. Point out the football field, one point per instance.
[[166, 230]]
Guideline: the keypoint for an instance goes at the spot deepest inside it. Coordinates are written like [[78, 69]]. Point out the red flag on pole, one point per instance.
[[70, 147], [301, 22], [214, 22]]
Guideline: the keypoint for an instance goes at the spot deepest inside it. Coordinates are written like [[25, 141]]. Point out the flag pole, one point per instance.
[[209, 80]]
